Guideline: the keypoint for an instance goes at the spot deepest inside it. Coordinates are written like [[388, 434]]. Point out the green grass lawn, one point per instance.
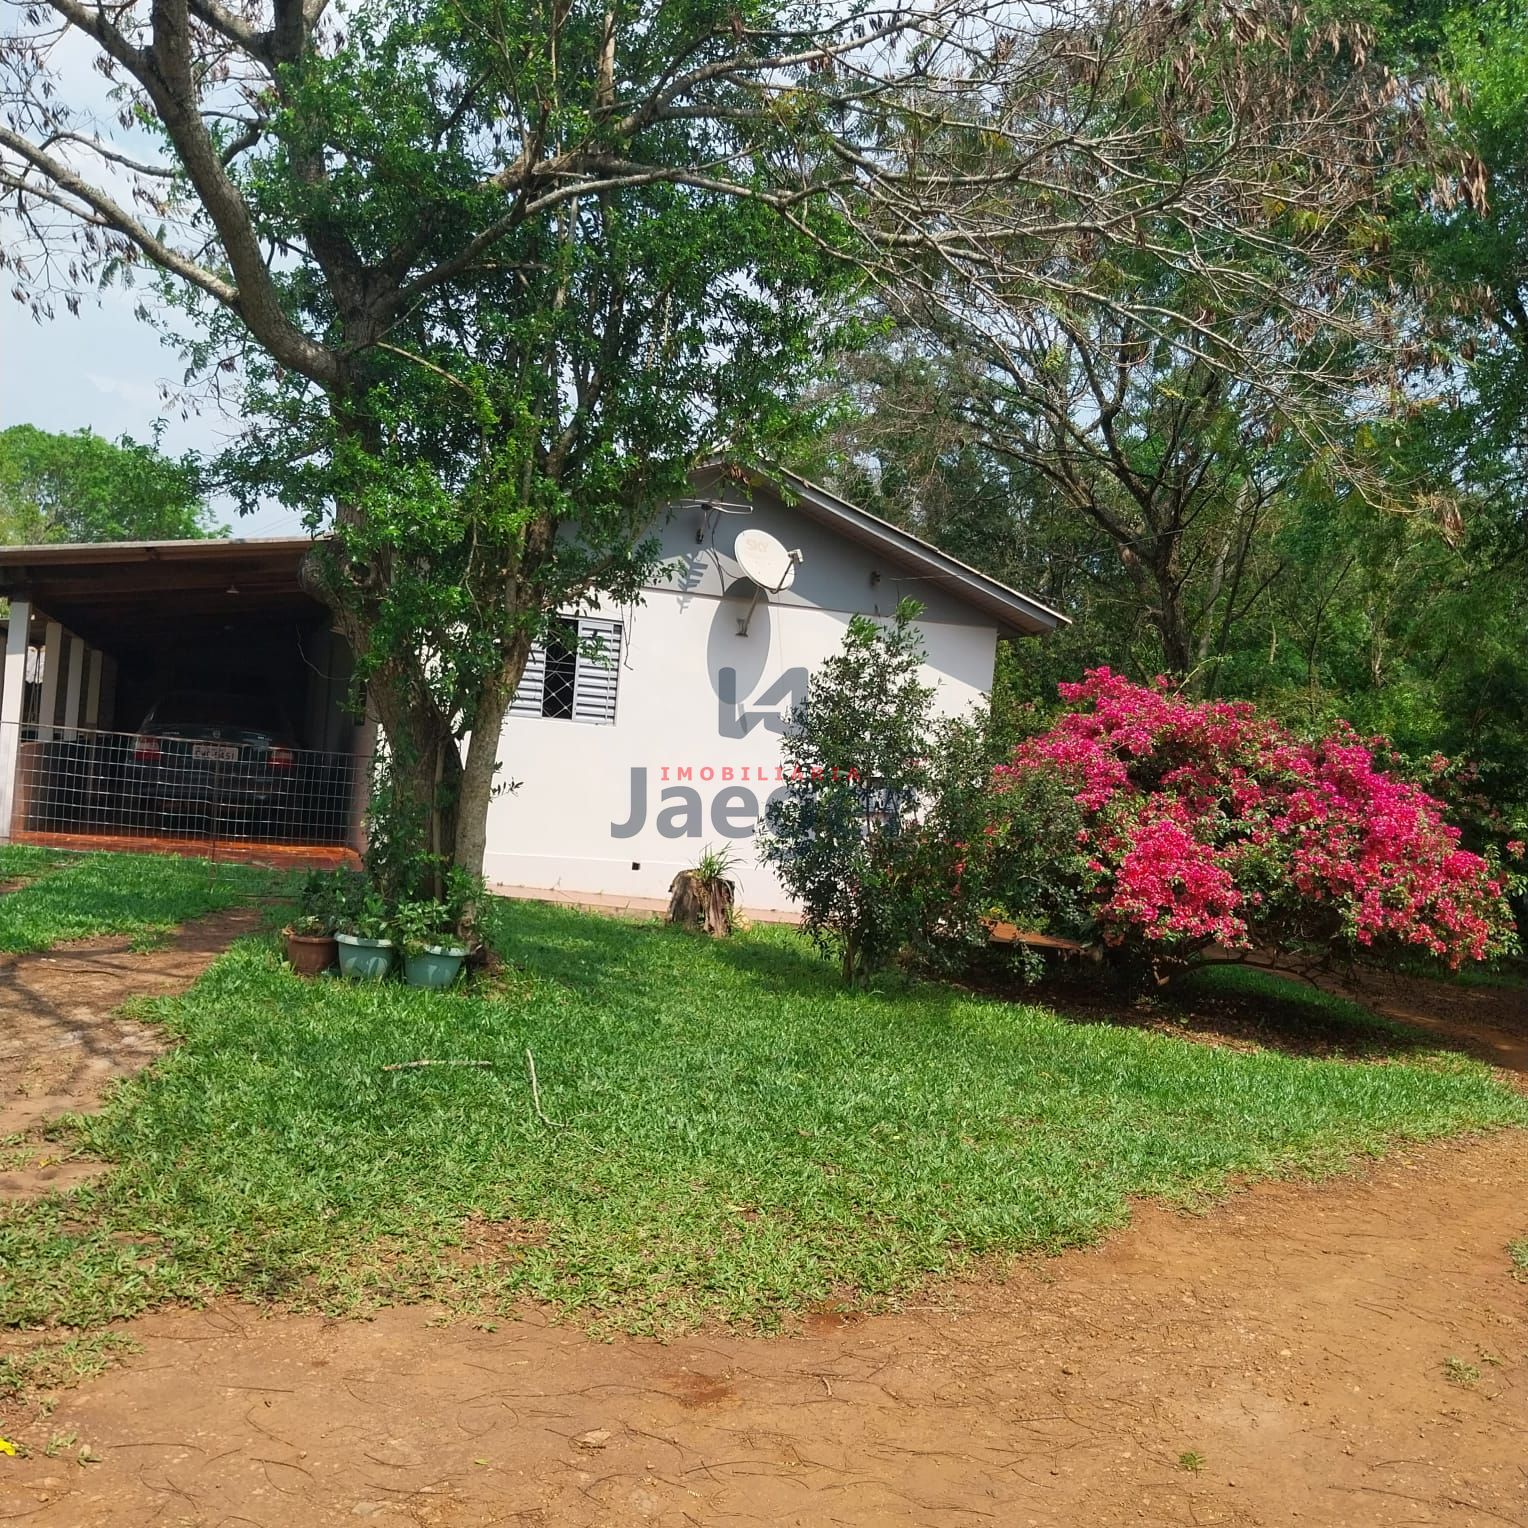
[[734, 1135], [77, 896], [18, 861]]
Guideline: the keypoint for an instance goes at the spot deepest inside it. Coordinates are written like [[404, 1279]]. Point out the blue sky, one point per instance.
[[106, 369]]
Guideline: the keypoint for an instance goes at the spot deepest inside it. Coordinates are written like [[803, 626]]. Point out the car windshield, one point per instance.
[[202, 708]]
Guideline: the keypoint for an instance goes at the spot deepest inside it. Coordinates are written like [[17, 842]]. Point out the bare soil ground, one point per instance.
[[61, 1042], [1488, 1022], [1347, 1352]]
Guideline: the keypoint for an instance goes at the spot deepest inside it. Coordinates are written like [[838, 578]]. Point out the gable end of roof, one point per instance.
[[1013, 612]]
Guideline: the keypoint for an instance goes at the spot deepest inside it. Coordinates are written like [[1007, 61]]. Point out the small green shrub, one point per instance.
[[1460, 1371], [326, 899], [431, 922], [855, 762], [1014, 856], [367, 918]]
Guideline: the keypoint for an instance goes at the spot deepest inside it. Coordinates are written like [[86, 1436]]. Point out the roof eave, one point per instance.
[[55, 553], [1014, 612]]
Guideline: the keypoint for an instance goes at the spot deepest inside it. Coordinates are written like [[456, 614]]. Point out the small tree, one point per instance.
[[856, 762]]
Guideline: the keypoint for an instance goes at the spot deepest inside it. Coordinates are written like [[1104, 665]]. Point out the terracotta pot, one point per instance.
[[311, 953]]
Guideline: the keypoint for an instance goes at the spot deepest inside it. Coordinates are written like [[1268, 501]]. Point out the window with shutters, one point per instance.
[[572, 675]]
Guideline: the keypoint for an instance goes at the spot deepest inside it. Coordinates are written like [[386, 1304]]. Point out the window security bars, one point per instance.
[[573, 674]]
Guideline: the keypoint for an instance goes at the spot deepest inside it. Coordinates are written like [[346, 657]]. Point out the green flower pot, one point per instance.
[[433, 966], [364, 960]]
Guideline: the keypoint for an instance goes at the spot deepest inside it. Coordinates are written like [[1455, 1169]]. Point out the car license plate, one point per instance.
[[219, 753]]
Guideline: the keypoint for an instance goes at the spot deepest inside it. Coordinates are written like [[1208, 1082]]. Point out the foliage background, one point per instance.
[[1379, 575]]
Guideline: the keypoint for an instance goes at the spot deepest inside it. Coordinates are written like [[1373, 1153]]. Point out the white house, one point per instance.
[[628, 755], [626, 769]]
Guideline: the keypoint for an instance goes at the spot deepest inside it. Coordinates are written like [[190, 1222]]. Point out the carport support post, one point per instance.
[[52, 660], [93, 690], [72, 694], [12, 690], [109, 688]]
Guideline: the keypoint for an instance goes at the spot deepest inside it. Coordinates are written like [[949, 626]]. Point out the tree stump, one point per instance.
[[699, 902]]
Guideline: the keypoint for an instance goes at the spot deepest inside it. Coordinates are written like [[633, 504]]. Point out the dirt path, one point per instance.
[[1294, 1344], [61, 1043], [1488, 1022]]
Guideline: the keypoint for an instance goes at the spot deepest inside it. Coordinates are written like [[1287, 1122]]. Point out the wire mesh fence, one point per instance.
[[212, 790]]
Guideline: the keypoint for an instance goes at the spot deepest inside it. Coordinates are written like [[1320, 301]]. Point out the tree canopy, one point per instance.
[[487, 278], [1335, 525], [1203, 319], [81, 487]]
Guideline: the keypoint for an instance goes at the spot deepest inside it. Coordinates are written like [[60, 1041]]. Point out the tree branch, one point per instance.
[[107, 213]]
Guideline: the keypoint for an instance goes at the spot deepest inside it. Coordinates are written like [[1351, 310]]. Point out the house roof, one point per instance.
[[1013, 612], [94, 587]]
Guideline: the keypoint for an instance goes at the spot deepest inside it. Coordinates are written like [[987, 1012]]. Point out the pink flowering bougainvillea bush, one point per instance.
[[1188, 824]]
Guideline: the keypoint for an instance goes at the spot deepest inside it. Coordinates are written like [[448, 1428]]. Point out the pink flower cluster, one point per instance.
[[1207, 822]]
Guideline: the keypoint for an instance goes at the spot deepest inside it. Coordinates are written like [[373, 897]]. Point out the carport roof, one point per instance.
[[107, 590]]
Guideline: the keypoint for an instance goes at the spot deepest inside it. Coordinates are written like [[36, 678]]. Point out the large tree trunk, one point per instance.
[[483, 762], [1177, 648], [424, 760], [1169, 618], [1153, 569], [448, 798]]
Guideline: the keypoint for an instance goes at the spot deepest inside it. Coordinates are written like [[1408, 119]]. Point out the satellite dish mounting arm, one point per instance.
[[762, 591]]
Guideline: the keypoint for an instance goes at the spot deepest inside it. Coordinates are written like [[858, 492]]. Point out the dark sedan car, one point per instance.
[[225, 759]]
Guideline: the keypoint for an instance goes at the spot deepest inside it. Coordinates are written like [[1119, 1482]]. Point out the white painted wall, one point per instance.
[[695, 749]]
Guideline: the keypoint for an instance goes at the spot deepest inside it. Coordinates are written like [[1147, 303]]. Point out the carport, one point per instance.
[[100, 633]]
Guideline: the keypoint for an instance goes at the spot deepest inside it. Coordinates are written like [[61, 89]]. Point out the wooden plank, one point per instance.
[[999, 932]]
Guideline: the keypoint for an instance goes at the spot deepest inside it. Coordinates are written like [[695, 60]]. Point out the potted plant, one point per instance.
[[366, 951], [432, 957], [310, 944], [436, 932]]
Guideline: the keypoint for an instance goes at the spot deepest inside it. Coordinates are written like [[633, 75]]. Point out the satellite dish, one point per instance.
[[767, 563], [765, 560]]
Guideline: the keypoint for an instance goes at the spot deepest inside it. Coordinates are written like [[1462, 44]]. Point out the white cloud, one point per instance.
[[140, 394]]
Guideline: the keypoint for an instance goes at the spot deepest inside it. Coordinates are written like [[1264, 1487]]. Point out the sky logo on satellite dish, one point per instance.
[[775, 704]]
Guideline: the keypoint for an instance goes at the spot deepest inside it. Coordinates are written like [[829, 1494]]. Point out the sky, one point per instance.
[[106, 370]]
